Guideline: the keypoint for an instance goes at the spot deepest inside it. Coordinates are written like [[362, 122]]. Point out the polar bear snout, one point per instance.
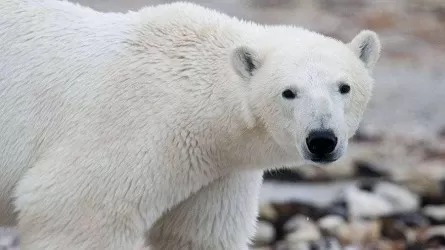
[[321, 146]]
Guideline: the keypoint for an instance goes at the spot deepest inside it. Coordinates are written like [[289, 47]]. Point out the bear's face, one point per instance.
[[310, 97]]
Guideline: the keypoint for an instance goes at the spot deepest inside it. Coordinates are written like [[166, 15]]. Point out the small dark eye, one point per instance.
[[344, 88], [289, 94]]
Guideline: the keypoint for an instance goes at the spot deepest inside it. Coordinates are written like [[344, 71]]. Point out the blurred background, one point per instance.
[[388, 192]]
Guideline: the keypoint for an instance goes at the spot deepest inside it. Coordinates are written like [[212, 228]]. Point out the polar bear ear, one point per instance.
[[245, 61], [366, 45]]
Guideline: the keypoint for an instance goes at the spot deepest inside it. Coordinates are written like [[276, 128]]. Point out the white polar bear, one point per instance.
[[159, 122]]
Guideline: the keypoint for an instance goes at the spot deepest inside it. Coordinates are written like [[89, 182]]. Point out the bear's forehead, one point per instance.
[[317, 63], [316, 69]]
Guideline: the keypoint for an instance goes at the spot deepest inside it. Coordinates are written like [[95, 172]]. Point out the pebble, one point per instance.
[[331, 224], [435, 237], [339, 207], [301, 230], [292, 208], [265, 233], [400, 198], [435, 214], [268, 212], [366, 204]]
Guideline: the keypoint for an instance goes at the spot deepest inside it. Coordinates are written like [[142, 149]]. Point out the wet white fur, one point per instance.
[[112, 123]]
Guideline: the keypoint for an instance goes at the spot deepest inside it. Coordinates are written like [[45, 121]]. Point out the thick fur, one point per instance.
[[158, 122]]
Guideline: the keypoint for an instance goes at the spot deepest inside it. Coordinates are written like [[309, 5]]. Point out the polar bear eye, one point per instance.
[[344, 88], [289, 94]]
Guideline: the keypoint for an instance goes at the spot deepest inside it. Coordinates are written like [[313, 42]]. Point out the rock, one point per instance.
[[392, 229], [292, 208], [385, 244], [338, 207], [367, 169], [283, 175], [268, 212], [364, 231], [281, 245], [280, 231], [301, 230], [288, 211], [325, 243], [415, 246], [367, 185], [436, 194], [435, 214], [411, 219], [435, 242], [366, 204], [435, 238], [329, 243], [265, 233], [331, 224], [400, 198], [430, 189], [372, 231], [408, 227]]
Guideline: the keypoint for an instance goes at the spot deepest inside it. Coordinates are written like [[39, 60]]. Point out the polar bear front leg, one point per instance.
[[58, 212], [221, 216]]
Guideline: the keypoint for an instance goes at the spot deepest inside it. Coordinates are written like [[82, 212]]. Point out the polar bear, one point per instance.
[[154, 126]]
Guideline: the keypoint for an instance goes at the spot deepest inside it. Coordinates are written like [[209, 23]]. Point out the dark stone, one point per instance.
[[313, 246], [366, 169], [435, 242], [435, 221], [327, 242], [438, 199], [367, 185], [288, 210], [283, 175], [292, 208], [412, 219], [431, 200], [280, 231], [415, 246], [339, 208], [392, 229]]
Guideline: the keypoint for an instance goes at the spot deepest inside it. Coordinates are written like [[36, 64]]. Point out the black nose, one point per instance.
[[321, 142]]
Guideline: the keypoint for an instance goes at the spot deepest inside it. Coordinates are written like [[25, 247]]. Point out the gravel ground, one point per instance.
[[409, 94]]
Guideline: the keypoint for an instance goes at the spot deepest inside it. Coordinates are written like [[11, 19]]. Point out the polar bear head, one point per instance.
[[309, 91]]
